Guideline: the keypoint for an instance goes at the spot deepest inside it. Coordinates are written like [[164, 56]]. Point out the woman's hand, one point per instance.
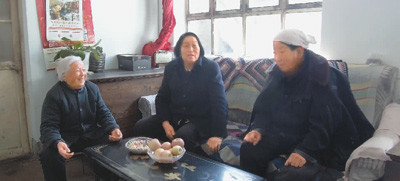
[[295, 160], [214, 143], [116, 135], [64, 150], [253, 137], [169, 130]]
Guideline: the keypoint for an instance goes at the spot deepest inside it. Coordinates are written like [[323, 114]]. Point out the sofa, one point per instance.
[[373, 87]]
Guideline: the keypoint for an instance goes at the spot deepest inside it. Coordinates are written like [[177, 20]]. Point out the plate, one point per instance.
[[138, 145], [166, 160]]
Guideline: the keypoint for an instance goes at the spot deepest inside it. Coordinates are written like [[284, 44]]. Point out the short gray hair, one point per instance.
[[64, 64]]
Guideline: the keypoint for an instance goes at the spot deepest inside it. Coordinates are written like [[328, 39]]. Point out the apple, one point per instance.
[[176, 150], [166, 154], [158, 152], [166, 145], [154, 144], [178, 141]]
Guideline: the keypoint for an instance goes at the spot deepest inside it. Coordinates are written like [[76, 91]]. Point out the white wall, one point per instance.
[[360, 29], [124, 27]]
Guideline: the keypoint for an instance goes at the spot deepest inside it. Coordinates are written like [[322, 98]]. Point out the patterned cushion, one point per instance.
[[255, 71], [229, 69], [241, 97], [373, 88], [340, 65]]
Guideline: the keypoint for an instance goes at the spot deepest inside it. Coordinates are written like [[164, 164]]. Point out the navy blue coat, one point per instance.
[[68, 115], [304, 115], [198, 95]]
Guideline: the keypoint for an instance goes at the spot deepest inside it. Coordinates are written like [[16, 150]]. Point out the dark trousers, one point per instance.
[[53, 164], [255, 159], [152, 127]]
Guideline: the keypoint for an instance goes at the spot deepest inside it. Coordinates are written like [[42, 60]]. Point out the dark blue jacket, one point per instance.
[[69, 114], [302, 114], [197, 95]]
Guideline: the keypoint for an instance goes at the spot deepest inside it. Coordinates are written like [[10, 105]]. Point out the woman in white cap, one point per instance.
[[299, 115], [74, 116]]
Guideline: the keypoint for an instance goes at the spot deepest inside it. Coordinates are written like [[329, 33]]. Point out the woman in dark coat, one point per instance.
[[297, 114], [191, 102]]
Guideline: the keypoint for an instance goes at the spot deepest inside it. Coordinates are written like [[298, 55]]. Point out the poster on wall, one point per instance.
[[64, 19], [85, 14]]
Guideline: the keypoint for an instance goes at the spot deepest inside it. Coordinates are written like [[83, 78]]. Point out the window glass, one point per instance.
[[262, 3], [227, 5], [196, 6], [309, 23], [202, 28], [228, 36], [4, 9], [303, 1], [260, 31], [6, 43]]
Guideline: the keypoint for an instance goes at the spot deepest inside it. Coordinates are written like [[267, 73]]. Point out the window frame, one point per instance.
[[282, 8]]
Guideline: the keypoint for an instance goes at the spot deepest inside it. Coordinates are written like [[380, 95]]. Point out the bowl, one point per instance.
[[138, 145], [165, 160]]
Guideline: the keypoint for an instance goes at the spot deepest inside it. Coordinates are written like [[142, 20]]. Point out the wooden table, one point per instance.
[[117, 159]]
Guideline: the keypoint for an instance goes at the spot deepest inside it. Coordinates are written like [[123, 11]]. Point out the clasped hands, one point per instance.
[[214, 142], [294, 160], [65, 152]]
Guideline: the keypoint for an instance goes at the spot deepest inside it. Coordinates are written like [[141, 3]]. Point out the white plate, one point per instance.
[[166, 160], [138, 145]]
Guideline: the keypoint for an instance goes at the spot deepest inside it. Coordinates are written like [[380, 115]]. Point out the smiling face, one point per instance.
[[190, 50], [76, 75], [288, 61]]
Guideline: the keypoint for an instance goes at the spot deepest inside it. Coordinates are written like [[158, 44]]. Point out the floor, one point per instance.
[[29, 168]]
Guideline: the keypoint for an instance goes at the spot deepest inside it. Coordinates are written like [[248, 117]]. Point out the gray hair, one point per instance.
[[64, 64]]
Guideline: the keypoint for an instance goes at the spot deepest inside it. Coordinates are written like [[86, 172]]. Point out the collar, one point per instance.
[[198, 63], [68, 88]]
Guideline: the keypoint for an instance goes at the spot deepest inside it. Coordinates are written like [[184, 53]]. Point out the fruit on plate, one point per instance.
[[178, 141], [176, 150], [154, 144], [166, 145], [158, 152], [166, 154]]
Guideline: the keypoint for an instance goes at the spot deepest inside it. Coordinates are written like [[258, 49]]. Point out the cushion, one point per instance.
[[241, 97], [256, 71], [373, 88], [229, 69], [147, 105], [340, 65]]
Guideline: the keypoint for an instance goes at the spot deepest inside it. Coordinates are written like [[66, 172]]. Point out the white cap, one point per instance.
[[295, 37], [64, 64]]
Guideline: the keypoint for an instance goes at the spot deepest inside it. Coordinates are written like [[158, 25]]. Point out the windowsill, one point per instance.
[[121, 75]]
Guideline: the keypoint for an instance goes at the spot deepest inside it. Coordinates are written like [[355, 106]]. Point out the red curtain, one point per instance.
[[168, 27]]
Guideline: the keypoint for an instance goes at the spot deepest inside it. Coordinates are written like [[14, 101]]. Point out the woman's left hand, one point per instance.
[[214, 143], [116, 135]]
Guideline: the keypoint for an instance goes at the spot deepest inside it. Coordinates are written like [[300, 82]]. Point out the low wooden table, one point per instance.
[[118, 160]]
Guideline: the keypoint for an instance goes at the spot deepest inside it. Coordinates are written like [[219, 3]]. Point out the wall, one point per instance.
[[360, 29], [124, 27]]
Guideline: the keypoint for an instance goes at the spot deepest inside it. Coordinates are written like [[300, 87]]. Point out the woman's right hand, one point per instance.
[[169, 130], [253, 137], [64, 150]]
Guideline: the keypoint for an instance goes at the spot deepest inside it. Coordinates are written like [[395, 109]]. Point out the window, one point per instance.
[[247, 27]]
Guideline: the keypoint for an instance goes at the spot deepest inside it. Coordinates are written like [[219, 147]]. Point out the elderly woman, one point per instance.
[[74, 116], [300, 113], [191, 102]]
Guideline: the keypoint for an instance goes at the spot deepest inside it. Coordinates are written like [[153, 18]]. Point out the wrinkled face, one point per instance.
[[190, 50], [76, 75], [286, 59]]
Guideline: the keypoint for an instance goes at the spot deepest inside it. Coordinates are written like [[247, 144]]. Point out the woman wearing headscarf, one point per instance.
[[301, 115], [74, 117], [191, 102]]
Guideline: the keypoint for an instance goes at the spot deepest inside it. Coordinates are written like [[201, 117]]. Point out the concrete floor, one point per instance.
[[29, 169]]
